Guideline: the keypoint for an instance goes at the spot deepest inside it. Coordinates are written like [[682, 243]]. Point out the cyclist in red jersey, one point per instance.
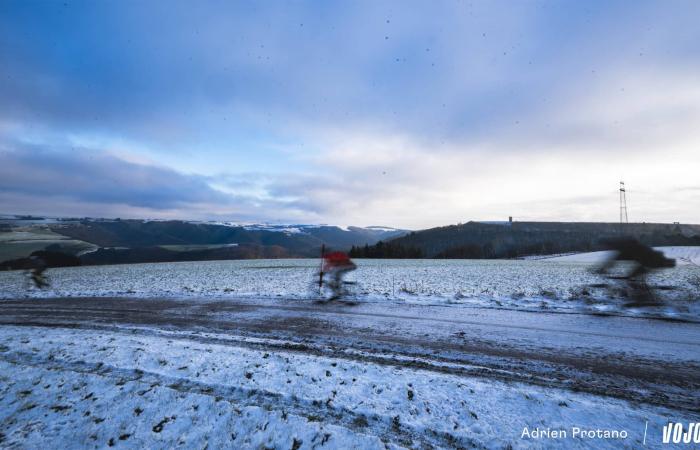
[[336, 264]]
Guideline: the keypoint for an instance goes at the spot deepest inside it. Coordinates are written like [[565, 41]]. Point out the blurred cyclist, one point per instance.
[[644, 259], [336, 265], [36, 273]]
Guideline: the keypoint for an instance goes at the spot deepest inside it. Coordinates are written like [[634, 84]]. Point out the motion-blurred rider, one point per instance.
[[644, 259], [336, 265], [36, 273]]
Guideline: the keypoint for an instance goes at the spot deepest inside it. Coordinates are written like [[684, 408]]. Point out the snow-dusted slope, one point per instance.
[[682, 255]]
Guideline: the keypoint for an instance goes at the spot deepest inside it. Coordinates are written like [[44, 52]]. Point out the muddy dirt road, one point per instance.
[[647, 361]]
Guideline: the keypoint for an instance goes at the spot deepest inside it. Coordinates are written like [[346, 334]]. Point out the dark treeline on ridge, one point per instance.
[[478, 240], [390, 250]]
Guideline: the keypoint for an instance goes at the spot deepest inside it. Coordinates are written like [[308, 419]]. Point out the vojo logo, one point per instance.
[[675, 433]]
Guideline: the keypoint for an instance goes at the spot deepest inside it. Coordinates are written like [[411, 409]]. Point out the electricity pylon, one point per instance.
[[623, 203]]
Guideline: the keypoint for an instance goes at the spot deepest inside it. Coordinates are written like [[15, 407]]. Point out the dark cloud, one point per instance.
[[392, 107], [94, 176], [441, 69], [80, 181]]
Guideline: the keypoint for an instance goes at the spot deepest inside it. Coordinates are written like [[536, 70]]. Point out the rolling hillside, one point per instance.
[[509, 240], [130, 241]]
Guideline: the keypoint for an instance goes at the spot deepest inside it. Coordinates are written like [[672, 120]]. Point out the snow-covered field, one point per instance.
[[563, 284], [682, 255], [136, 387], [437, 354]]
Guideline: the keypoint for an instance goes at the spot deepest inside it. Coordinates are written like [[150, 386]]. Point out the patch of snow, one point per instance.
[[380, 228], [96, 389], [682, 255]]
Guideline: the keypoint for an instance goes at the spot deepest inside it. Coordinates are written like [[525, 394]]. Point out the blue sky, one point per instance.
[[410, 114]]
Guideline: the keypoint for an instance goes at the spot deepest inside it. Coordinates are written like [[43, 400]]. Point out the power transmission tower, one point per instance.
[[623, 203]]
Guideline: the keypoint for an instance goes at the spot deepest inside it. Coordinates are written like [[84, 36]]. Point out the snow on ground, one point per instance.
[[95, 389], [546, 285], [682, 255]]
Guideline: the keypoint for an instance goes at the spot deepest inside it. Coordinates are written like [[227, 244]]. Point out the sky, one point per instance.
[[409, 114]]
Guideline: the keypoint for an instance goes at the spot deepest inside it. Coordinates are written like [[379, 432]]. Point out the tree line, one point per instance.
[[386, 250], [475, 240]]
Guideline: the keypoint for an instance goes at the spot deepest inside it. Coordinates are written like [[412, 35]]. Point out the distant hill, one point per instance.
[[131, 241], [509, 240], [298, 239]]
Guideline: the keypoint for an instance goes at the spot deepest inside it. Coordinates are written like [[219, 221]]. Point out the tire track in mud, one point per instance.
[[384, 427], [658, 390], [242, 307], [627, 376]]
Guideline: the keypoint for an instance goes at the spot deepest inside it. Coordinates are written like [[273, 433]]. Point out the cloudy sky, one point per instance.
[[397, 113]]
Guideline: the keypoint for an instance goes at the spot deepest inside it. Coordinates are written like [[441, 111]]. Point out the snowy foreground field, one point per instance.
[[438, 354], [138, 373]]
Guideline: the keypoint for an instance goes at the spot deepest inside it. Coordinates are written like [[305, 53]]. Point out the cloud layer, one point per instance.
[[411, 114]]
